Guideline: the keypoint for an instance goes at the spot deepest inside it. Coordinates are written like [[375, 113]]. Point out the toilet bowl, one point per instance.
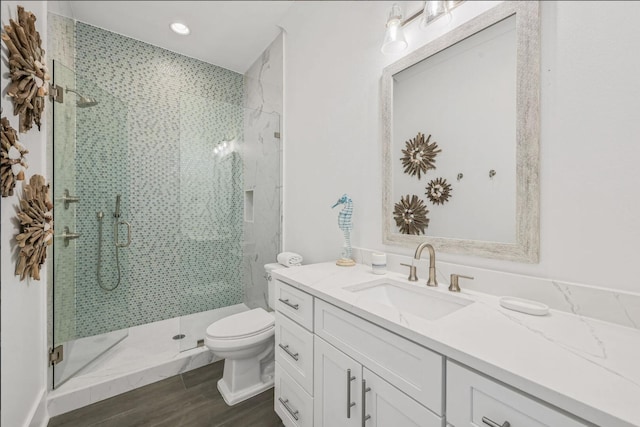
[[246, 342]]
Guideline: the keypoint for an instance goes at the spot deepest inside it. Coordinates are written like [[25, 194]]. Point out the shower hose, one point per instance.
[[106, 288]]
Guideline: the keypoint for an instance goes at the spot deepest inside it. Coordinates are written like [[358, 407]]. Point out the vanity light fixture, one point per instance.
[[394, 40], [433, 10], [180, 28]]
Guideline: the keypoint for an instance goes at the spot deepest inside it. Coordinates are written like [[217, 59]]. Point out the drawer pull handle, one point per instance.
[[286, 350], [492, 423], [286, 301], [293, 413], [350, 404], [365, 416]]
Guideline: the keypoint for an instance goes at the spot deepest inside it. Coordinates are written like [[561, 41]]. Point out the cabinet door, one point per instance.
[[337, 379], [387, 406]]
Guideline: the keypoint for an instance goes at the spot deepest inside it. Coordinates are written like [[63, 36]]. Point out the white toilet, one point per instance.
[[245, 340]]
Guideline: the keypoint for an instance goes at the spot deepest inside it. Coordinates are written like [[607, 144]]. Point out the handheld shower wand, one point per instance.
[[117, 212], [118, 245]]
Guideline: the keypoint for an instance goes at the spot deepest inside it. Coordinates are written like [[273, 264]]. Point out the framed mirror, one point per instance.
[[460, 139]]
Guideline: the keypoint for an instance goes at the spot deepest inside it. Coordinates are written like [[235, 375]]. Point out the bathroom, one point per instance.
[[307, 84]]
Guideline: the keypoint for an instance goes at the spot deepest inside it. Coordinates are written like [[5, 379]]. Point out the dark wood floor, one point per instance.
[[188, 400]]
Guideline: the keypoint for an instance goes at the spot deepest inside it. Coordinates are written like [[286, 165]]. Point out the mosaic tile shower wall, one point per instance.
[[150, 139]]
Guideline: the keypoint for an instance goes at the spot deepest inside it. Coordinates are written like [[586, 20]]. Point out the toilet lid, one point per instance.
[[241, 325]]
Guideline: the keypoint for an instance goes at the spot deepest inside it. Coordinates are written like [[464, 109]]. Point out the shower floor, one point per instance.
[[148, 354]]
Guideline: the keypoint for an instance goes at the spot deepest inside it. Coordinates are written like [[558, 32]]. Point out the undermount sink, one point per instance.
[[423, 303]]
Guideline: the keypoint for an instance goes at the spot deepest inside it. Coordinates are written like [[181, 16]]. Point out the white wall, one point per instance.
[[590, 98], [23, 305]]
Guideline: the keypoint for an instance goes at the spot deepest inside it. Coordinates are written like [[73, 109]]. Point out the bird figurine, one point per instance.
[[346, 225]]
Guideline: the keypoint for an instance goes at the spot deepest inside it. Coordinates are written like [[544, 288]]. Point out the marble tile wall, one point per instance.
[[262, 155]]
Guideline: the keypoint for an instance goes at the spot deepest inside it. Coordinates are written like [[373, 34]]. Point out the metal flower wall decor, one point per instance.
[[36, 228], [12, 162], [438, 191], [410, 215], [27, 69], [419, 155]]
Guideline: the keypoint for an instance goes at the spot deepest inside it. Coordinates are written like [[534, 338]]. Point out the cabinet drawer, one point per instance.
[[413, 369], [471, 396], [295, 304], [292, 404], [294, 351]]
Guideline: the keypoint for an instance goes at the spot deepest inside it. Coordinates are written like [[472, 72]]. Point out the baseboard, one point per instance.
[[40, 417]]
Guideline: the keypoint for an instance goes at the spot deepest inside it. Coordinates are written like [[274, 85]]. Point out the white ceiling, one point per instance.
[[231, 34]]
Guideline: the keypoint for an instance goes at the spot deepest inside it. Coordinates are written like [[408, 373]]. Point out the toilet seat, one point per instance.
[[242, 325], [240, 330]]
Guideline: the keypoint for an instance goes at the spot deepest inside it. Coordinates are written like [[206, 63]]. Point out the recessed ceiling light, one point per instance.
[[180, 28]]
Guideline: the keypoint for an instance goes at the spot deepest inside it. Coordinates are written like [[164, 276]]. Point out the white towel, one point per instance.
[[289, 259]]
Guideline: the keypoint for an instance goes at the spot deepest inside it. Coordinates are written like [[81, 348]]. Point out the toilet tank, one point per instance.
[[268, 268]]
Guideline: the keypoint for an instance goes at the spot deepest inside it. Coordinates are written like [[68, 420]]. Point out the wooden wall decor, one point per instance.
[[29, 75], [36, 224], [410, 215], [419, 155], [12, 162], [438, 191]]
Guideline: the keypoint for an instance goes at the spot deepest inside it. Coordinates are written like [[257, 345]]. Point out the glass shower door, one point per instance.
[[69, 279], [230, 210]]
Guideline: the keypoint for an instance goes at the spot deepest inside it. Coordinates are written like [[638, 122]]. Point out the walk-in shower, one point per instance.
[[163, 240]]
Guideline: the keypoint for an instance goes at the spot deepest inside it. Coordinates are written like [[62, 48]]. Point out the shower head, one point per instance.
[[86, 102], [83, 101]]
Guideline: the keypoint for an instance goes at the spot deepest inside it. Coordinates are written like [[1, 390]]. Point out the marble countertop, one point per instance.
[[584, 366]]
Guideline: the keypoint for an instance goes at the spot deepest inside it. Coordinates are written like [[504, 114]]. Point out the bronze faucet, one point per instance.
[[413, 277]]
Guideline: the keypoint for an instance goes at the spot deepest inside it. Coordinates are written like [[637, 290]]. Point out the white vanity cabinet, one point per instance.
[[347, 371], [416, 371], [335, 369], [348, 394]]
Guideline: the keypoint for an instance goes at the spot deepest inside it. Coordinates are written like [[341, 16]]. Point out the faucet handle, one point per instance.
[[454, 287], [413, 277]]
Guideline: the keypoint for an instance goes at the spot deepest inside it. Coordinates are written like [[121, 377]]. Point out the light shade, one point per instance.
[[180, 28], [434, 9], [394, 40]]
